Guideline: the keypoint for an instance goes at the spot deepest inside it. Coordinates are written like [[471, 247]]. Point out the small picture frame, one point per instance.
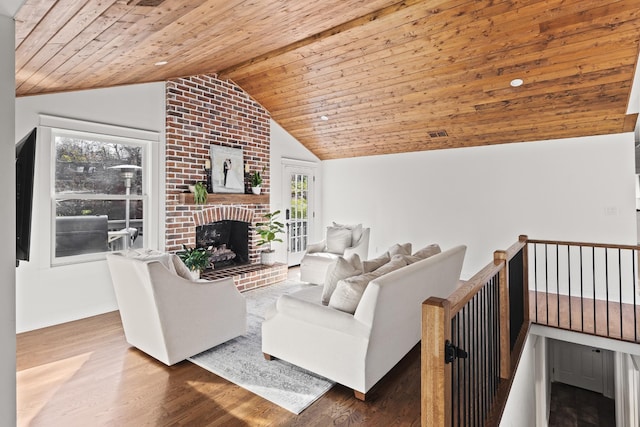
[[227, 169]]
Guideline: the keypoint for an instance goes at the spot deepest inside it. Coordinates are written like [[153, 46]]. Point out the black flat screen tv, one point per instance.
[[25, 165]]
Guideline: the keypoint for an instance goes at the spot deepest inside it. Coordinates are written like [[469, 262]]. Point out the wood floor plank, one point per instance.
[[84, 373]]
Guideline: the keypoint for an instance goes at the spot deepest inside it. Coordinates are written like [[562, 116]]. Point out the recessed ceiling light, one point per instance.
[[325, 118], [161, 63], [516, 82]]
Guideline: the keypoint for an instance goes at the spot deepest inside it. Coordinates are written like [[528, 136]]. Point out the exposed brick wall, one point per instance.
[[201, 111]]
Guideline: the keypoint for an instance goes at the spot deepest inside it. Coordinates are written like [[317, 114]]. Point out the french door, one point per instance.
[[298, 190]]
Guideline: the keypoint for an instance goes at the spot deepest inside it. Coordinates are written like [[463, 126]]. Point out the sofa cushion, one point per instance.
[[370, 265], [338, 239], [343, 268], [356, 231]]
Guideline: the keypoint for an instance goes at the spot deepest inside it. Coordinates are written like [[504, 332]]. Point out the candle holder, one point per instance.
[[207, 172]]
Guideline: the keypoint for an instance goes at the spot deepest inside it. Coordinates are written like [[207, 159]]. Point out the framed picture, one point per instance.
[[227, 169]]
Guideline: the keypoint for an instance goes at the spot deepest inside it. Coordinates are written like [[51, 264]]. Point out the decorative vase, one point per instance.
[[268, 257], [195, 274], [256, 190]]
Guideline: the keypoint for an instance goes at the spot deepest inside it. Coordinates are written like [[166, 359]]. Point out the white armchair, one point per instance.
[[170, 317], [340, 241]]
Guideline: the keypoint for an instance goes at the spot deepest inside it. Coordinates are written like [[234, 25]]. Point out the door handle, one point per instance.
[[286, 214]]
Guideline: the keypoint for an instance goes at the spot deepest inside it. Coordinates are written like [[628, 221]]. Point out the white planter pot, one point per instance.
[[268, 257], [195, 274], [256, 190]]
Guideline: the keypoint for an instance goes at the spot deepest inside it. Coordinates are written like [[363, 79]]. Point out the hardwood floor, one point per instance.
[[83, 373], [595, 317]]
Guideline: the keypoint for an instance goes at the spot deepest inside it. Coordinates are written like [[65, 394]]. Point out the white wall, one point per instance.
[[285, 146], [579, 189], [520, 409], [48, 295], [7, 217]]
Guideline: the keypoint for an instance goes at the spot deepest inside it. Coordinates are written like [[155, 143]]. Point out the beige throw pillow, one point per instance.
[[349, 292], [428, 251], [342, 269], [338, 239], [402, 249], [372, 264]]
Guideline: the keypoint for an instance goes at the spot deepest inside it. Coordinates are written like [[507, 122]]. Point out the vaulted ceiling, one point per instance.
[[359, 77]]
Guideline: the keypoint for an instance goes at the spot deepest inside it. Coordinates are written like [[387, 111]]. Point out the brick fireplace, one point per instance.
[[204, 110]]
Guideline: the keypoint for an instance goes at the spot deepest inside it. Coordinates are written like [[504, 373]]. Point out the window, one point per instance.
[[99, 194]]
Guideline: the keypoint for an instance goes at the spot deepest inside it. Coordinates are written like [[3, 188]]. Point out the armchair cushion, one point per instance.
[[343, 268], [338, 239], [356, 231]]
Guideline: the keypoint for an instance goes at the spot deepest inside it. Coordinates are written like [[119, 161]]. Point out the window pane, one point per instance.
[[93, 226], [96, 167]]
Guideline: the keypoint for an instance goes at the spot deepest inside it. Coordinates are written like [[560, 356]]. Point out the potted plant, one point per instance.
[[196, 260], [268, 231], [200, 193], [256, 182]]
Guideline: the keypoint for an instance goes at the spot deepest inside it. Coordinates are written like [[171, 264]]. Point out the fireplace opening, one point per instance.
[[227, 240]]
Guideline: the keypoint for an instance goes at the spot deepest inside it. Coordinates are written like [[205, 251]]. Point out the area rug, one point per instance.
[[241, 361]]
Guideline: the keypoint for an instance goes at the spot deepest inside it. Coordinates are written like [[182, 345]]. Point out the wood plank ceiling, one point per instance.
[[389, 76]]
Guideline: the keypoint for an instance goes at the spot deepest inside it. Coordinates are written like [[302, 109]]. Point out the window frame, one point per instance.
[[52, 127]]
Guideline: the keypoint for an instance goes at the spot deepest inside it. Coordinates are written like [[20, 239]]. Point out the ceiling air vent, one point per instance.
[[150, 3], [437, 133]]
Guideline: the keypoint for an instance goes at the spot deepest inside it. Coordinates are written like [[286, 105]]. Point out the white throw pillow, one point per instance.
[[338, 239], [151, 255], [372, 264], [356, 231], [402, 249], [181, 269], [343, 268], [349, 292]]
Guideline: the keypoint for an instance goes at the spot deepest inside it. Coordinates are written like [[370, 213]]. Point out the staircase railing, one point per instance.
[[585, 287], [472, 340], [468, 340]]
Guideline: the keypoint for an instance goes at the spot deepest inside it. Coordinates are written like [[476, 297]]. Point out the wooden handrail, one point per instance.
[[595, 245]]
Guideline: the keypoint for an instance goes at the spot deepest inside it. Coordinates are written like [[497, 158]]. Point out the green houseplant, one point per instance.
[[200, 193], [256, 182], [268, 230], [196, 259]]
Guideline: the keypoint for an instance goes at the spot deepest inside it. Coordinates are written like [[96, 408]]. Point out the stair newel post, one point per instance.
[[436, 374], [500, 257]]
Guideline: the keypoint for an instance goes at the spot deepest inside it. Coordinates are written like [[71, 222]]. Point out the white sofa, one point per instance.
[[320, 256], [358, 349], [171, 317]]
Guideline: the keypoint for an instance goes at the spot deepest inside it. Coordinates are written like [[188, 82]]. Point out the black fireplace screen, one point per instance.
[[227, 241]]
